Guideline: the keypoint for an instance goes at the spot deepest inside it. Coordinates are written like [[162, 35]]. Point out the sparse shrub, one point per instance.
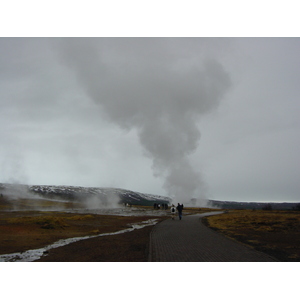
[[51, 223], [80, 217]]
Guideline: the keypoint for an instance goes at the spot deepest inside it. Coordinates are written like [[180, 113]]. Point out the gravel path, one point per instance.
[[189, 240]]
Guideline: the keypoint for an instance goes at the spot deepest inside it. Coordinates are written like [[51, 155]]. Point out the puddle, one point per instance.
[[32, 255]]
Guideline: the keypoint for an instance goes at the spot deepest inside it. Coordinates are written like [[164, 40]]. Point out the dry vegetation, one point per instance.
[[24, 230], [198, 210], [276, 233]]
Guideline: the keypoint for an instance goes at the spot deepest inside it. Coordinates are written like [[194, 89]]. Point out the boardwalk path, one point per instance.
[[189, 240]]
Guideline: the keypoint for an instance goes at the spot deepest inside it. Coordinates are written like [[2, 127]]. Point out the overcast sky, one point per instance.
[[185, 117]]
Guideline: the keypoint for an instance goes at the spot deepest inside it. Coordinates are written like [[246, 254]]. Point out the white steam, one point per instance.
[[147, 84], [112, 200], [17, 191]]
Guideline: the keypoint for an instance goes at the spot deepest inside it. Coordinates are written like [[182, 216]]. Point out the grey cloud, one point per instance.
[[207, 115]]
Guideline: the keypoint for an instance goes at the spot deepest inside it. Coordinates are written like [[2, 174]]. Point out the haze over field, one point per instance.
[[210, 118]]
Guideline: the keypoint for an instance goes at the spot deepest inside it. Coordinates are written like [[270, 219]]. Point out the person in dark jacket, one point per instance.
[[180, 209]]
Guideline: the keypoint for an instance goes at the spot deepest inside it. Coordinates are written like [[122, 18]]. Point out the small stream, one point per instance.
[[32, 255]]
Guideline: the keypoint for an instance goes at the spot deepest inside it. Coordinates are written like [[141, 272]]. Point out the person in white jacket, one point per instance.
[[173, 211]]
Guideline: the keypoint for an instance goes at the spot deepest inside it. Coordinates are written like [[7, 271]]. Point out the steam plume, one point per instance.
[[148, 85]]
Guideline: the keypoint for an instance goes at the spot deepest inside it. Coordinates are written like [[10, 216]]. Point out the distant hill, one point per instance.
[[122, 196], [82, 194], [253, 205]]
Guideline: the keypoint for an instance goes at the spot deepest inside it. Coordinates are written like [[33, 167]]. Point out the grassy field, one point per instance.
[[276, 233], [22, 228], [29, 225], [25, 230]]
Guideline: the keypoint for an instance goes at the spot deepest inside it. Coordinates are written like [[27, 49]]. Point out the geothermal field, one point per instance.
[[79, 224], [34, 220]]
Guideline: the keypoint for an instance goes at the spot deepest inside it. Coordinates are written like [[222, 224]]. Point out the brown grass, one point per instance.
[[275, 232], [21, 231], [199, 210]]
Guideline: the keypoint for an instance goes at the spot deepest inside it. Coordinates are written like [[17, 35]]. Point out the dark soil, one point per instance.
[[127, 247]]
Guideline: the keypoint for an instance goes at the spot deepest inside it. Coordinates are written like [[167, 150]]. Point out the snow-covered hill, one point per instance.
[[78, 193]]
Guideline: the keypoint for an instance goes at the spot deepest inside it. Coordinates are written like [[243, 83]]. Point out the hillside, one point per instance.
[[81, 194], [114, 196], [253, 205]]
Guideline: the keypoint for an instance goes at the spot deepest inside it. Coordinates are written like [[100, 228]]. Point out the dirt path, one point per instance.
[[189, 240]]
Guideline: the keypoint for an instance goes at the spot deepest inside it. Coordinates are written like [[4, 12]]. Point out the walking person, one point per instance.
[[173, 212], [180, 209]]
